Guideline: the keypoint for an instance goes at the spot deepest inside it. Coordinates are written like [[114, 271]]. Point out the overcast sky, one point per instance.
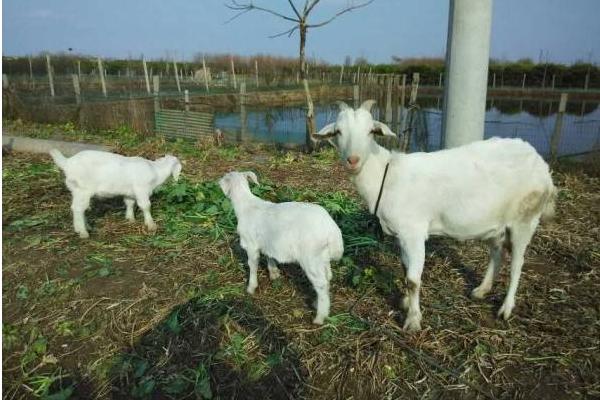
[[566, 31]]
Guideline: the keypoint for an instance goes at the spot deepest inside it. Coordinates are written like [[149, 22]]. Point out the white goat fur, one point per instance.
[[291, 232], [481, 190], [97, 173]]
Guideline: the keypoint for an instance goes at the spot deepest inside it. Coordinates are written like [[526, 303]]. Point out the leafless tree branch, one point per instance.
[[345, 10], [295, 9], [246, 7], [289, 33]]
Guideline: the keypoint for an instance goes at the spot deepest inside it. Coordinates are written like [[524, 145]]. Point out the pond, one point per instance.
[[531, 120]]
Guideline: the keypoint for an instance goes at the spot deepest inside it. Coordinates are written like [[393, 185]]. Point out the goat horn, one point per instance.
[[367, 104]]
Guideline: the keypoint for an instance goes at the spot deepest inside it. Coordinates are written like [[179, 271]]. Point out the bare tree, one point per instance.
[[299, 19]]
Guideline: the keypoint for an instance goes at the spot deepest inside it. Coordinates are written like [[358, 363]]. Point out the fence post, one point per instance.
[[414, 88], [233, 72], [342, 74], [494, 80], [50, 77], [243, 117], [101, 73], [30, 71], [355, 95], [186, 99], [176, 76], [555, 140], [146, 75], [587, 81], [523, 83], [76, 88], [256, 71], [205, 74], [440, 80], [4, 81], [553, 80], [388, 100], [156, 86]]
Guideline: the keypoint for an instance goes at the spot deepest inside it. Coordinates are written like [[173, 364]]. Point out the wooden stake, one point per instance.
[[50, 77]]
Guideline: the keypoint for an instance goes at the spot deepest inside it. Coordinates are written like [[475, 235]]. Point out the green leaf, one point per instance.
[[173, 323], [22, 292], [63, 394], [140, 368]]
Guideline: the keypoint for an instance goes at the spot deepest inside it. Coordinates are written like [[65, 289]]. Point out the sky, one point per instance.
[[558, 30]]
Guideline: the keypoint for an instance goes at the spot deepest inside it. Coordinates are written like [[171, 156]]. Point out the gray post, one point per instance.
[[555, 140], [205, 74], [146, 75], [76, 88], [342, 74], [156, 87], [176, 76], [4, 81], [186, 99], [467, 58], [553, 80], [414, 88], [355, 95], [523, 83], [101, 73], [587, 81], [243, 118], [440, 80], [50, 77], [494, 80], [402, 104], [79, 69]]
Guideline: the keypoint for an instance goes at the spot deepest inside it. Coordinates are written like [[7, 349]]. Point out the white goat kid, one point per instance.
[[97, 173], [290, 232], [494, 190]]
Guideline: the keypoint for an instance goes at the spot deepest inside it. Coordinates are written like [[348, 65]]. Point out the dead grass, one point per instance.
[[126, 314]]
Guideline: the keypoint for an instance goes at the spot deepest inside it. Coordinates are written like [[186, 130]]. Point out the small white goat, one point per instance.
[[97, 173], [494, 190], [291, 232]]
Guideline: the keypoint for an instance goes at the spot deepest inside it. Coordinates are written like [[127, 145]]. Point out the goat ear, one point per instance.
[[225, 185], [343, 106], [367, 104], [379, 128], [328, 131], [251, 176]]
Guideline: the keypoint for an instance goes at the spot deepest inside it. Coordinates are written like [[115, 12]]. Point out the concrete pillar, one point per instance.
[[467, 58]]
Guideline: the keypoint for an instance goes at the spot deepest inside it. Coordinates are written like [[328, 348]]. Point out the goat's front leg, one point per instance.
[[143, 202], [493, 268], [129, 204], [413, 256], [253, 257]]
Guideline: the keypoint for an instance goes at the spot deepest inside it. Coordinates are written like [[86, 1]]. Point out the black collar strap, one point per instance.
[[381, 189]]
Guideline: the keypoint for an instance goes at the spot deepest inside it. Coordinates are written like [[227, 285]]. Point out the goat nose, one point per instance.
[[353, 160]]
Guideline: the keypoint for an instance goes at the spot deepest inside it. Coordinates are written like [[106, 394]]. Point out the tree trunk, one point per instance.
[[310, 113]]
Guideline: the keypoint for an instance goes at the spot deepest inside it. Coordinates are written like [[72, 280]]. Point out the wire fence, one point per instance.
[[272, 110]]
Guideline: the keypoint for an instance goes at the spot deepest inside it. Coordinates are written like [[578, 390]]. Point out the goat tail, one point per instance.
[[336, 248], [549, 210], [58, 158]]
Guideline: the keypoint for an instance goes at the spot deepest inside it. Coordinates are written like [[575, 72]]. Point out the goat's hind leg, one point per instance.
[[80, 203], [272, 267], [493, 268], [129, 213], [520, 236], [317, 274]]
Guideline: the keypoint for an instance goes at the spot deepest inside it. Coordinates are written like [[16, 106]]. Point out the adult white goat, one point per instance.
[[290, 232], [97, 173], [494, 190]]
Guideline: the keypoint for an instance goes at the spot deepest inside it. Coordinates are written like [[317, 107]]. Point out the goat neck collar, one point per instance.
[[381, 188]]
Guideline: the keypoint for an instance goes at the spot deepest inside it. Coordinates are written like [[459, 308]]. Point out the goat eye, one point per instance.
[[337, 132]]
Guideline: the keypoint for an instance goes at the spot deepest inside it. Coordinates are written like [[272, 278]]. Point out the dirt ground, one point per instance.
[[127, 314]]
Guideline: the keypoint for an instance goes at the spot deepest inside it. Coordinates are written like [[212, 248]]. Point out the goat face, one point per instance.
[[352, 134], [235, 180]]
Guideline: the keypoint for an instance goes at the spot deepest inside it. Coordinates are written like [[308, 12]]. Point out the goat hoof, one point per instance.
[[412, 325], [505, 311], [152, 228], [274, 275], [479, 293], [319, 320], [84, 235], [251, 290]]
